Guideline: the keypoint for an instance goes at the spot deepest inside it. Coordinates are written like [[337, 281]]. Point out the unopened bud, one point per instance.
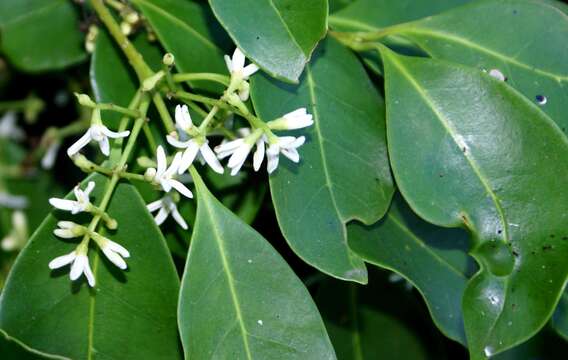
[[126, 28], [168, 59], [150, 174], [85, 100], [151, 82]]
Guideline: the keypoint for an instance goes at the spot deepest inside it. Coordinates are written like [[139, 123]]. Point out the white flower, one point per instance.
[[296, 119], [13, 201], [8, 128], [48, 160], [98, 133], [236, 65], [167, 206], [18, 236], [164, 175], [80, 265], [193, 147], [287, 145], [239, 71], [82, 203], [113, 251], [69, 230], [239, 150]]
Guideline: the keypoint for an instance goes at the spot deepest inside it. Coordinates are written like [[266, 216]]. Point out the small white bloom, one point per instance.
[[183, 118], [164, 175], [98, 133], [9, 129], [80, 265], [48, 160], [296, 119], [236, 65], [81, 204], [13, 201], [239, 150], [167, 207], [287, 145], [115, 252], [18, 236], [69, 230]]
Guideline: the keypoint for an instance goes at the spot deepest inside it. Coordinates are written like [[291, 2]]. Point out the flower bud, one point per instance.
[[151, 82], [85, 100], [168, 59]]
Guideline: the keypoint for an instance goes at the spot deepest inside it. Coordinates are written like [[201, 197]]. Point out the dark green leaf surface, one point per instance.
[[360, 332], [344, 172], [190, 32], [467, 150], [13, 349], [278, 35], [52, 314], [560, 318], [239, 299], [39, 35], [508, 35], [433, 259]]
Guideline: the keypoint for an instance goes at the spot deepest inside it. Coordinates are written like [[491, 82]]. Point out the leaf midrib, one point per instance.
[[449, 129], [285, 25], [476, 46], [229, 274], [179, 22]]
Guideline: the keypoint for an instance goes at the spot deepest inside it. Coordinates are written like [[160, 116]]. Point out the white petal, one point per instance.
[[183, 118], [258, 154], [181, 188], [89, 189], [155, 205], [178, 144], [244, 94], [291, 154], [272, 158], [296, 113], [116, 247], [178, 218], [239, 156], [229, 63], [238, 61], [296, 143], [211, 159], [249, 70], [62, 261], [115, 258], [66, 224], [9, 243], [77, 267], [89, 274], [79, 144], [188, 156], [285, 141], [104, 146], [162, 161], [166, 185], [64, 233], [229, 146], [161, 216], [62, 204], [114, 135], [48, 160]]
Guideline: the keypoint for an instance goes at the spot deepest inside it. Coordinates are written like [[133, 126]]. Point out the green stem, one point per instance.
[[119, 109], [142, 69], [164, 113], [222, 79], [207, 120]]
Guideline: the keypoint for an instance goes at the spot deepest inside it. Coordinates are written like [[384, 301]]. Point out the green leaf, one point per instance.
[[433, 259], [513, 40], [336, 5], [279, 36], [467, 150], [190, 32], [361, 332], [344, 172], [13, 349], [239, 299], [52, 314], [560, 318], [112, 78], [39, 35]]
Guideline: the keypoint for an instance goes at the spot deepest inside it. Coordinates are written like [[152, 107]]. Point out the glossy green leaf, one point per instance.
[[13, 349], [279, 36], [507, 35], [560, 318], [336, 5], [433, 259], [190, 32], [239, 299], [39, 35], [52, 314], [467, 150], [360, 332], [344, 172]]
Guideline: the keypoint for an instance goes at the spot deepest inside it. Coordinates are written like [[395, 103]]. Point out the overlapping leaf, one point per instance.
[[239, 299], [344, 172], [13, 349], [431, 258], [51, 314], [279, 36], [467, 150], [40, 35]]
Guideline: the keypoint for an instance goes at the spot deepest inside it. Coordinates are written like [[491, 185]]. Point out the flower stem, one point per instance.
[[222, 79], [119, 109], [164, 113]]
